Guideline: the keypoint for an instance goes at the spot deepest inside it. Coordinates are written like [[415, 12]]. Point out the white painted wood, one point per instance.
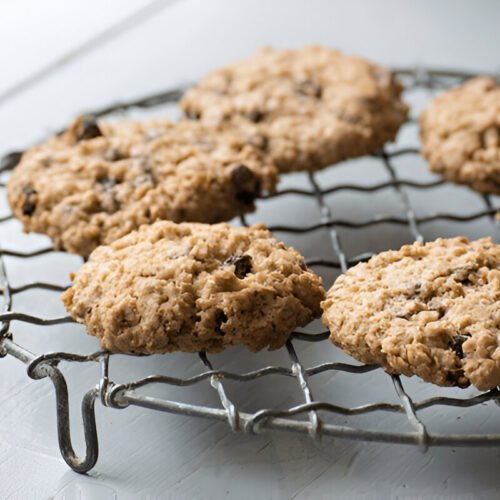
[[33, 34], [151, 455]]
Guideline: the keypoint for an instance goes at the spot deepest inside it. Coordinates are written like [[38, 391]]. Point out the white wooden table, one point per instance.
[[59, 58]]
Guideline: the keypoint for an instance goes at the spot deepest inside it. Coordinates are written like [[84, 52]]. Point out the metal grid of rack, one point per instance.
[[302, 418]]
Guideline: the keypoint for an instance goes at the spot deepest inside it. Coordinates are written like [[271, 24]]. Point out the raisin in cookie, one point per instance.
[[194, 287], [430, 310], [460, 132], [306, 108], [99, 181]]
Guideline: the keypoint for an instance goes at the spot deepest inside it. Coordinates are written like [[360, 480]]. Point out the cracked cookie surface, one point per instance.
[[430, 310], [306, 108], [99, 180], [460, 132], [194, 287]]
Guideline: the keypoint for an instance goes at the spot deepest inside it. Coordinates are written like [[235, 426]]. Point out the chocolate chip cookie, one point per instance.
[[430, 310], [194, 287], [460, 132], [98, 181], [306, 108]]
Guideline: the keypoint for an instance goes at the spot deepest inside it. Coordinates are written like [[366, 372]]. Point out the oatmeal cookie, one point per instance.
[[460, 132], [99, 181], [306, 108], [194, 287], [430, 310]]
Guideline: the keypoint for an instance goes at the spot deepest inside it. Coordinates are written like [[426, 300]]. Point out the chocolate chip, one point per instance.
[[29, 205], [457, 378], [309, 88], [220, 319], [482, 140], [29, 208], [255, 116], [115, 155], [455, 343], [246, 183], [88, 129], [106, 182], [192, 115], [242, 265]]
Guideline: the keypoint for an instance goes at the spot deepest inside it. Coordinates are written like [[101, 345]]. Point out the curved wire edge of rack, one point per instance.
[[120, 396]]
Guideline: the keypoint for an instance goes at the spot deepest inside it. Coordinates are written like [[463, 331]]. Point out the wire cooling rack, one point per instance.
[[307, 417]]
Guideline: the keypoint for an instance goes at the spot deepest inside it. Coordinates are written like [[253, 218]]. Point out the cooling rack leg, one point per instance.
[[39, 367], [80, 465]]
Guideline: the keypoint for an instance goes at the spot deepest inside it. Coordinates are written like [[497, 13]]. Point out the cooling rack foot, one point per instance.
[[78, 464]]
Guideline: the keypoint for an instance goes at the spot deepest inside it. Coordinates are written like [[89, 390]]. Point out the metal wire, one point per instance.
[[302, 418]]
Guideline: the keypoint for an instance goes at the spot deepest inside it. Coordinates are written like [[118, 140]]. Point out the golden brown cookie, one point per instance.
[[306, 108], [194, 287], [99, 181], [430, 310], [460, 132]]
